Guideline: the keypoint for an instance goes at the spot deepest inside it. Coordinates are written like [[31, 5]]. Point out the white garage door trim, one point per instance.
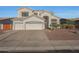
[[34, 26], [18, 26]]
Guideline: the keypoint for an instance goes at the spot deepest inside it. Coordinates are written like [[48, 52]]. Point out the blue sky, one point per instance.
[[60, 11]]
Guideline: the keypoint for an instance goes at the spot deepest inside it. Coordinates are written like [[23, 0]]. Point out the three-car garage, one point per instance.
[[32, 23], [29, 26]]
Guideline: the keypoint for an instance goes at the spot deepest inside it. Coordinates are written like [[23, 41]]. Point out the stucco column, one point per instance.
[[58, 22], [1, 26], [13, 25], [49, 22]]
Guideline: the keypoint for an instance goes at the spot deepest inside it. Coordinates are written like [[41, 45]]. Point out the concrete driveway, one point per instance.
[[26, 40], [29, 41]]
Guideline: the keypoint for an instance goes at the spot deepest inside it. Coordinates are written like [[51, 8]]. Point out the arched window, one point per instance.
[[24, 14]]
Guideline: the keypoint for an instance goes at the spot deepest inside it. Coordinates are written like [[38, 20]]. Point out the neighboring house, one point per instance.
[[29, 19], [76, 20], [6, 24], [70, 23]]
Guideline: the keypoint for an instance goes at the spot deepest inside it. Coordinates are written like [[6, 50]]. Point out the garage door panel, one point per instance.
[[18, 27], [34, 26]]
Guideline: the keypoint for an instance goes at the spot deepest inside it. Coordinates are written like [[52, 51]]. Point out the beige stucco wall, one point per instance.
[[58, 19], [1, 26], [18, 25], [47, 14], [41, 13], [33, 18], [50, 17]]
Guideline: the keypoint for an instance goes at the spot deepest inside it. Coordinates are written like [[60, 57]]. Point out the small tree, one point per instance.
[[54, 25]]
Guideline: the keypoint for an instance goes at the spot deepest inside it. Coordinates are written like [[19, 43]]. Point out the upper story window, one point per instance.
[[46, 18], [35, 13], [24, 14], [54, 20]]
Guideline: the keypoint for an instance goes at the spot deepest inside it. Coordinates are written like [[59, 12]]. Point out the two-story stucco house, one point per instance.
[[29, 19]]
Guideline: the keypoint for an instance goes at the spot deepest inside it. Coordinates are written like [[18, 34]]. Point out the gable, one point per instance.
[[6, 21], [34, 19], [24, 9], [54, 17]]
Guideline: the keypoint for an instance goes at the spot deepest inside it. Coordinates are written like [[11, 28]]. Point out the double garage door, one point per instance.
[[32, 26], [28, 26]]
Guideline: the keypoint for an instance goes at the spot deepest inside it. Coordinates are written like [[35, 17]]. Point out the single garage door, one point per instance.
[[34, 26], [7, 26], [18, 27]]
